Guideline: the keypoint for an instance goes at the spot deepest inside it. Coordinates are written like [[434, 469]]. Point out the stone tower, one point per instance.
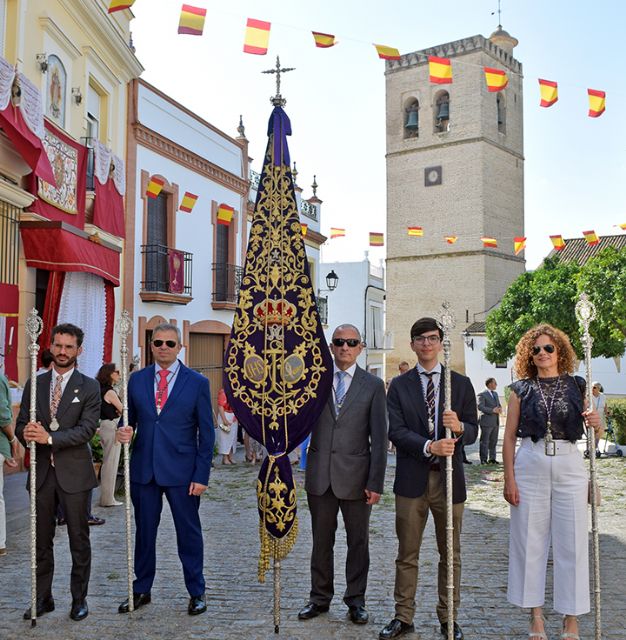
[[455, 167]]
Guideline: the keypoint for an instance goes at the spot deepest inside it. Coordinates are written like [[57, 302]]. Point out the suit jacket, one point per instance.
[[408, 430], [174, 447], [348, 452], [486, 404], [78, 415]]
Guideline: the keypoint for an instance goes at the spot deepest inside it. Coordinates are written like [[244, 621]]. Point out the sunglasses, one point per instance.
[[170, 343], [548, 348], [351, 342]]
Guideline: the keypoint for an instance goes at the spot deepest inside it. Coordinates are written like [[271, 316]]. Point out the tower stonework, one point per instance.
[[460, 175]]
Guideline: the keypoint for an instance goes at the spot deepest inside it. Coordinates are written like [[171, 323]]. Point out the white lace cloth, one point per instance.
[[7, 75], [103, 156], [31, 105], [83, 303]]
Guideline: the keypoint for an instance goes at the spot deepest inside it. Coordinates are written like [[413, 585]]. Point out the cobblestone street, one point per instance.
[[240, 607]]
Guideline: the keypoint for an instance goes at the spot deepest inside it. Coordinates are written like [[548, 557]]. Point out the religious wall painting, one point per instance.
[[56, 90], [64, 161]]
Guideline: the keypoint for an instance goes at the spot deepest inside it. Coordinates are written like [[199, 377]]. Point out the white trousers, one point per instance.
[[227, 442], [3, 515], [552, 510]]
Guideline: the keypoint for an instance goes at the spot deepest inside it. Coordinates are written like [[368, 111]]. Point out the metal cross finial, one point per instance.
[[278, 100], [499, 15], [447, 319]]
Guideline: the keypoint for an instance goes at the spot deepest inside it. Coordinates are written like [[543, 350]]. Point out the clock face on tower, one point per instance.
[[432, 176]]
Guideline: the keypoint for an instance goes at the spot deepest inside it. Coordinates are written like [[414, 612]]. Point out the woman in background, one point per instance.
[[226, 429]]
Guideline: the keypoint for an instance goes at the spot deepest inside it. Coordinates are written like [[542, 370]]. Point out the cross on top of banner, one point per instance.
[[278, 100]]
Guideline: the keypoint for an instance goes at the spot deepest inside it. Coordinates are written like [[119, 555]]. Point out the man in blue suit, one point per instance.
[[169, 405]]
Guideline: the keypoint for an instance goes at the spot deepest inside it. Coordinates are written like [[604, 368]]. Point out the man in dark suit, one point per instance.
[[170, 407], [68, 410], [490, 410], [417, 423], [345, 470]]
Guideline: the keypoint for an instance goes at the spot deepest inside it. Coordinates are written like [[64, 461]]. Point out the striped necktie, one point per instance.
[[340, 390], [430, 402]]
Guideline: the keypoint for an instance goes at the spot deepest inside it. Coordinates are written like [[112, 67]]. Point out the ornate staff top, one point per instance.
[[585, 311], [34, 325], [278, 100], [447, 319], [124, 326]]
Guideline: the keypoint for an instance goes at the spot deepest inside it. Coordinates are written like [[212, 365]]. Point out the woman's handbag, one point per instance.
[[225, 427]]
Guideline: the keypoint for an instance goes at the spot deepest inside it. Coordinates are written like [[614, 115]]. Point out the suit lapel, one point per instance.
[[75, 382], [43, 396], [183, 372], [149, 387], [416, 395], [353, 391]]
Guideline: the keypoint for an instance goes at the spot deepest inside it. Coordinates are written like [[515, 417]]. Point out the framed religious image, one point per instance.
[[56, 91]]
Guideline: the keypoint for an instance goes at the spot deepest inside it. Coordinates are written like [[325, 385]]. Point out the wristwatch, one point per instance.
[[50, 440], [462, 431]]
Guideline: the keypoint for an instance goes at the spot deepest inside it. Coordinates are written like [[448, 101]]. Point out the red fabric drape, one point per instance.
[[175, 262], [51, 308], [110, 320], [9, 308], [27, 144], [108, 208]]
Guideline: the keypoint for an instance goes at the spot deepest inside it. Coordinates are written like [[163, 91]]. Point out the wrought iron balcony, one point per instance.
[[166, 270], [88, 142], [226, 282], [308, 209], [322, 308]]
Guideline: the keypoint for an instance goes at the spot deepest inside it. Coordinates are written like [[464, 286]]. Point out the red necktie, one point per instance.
[[161, 392]]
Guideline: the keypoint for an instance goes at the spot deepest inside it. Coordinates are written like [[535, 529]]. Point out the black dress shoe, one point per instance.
[[45, 605], [466, 461], [197, 605], [395, 629], [494, 461], [139, 599], [95, 521], [358, 614], [312, 610], [458, 634], [79, 610]]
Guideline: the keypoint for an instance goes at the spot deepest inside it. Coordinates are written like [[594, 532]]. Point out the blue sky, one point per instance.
[[575, 169]]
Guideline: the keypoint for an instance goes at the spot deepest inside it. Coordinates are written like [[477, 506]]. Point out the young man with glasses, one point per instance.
[[169, 405], [417, 423], [345, 471]]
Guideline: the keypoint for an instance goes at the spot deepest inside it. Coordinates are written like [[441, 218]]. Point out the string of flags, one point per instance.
[[257, 36]]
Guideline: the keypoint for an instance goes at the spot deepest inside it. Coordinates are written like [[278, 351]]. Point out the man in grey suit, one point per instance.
[[345, 470], [490, 410]]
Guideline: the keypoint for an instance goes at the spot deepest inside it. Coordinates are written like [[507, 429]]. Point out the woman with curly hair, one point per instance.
[[545, 481]]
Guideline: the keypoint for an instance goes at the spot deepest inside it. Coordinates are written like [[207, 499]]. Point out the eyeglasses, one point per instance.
[[424, 339], [170, 343], [548, 348], [351, 342]]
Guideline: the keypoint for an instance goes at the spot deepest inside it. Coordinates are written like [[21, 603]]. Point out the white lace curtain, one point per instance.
[[83, 303]]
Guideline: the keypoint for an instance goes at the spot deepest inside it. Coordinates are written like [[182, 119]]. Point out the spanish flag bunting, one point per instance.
[[496, 79], [489, 242], [451, 239], [549, 92], [191, 20], [387, 53], [597, 103], [622, 226], [558, 243], [415, 231], [335, 232], [120, 5], [305, 228], [188, 202], [154, 187], [440, 70], [257, 37], [323, 40], [377, 239], [225, 214], [519, 244], [591, 237]]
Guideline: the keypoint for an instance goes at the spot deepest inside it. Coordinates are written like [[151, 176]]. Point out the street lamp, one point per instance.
[[332, 279], [467, 338]]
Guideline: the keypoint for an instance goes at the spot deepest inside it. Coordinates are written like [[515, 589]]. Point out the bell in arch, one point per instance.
[[443, 112], [412, 121]]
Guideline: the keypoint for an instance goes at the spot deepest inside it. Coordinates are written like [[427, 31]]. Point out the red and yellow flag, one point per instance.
[[622, 226], [387, 53], [191, 20], [597, 103], [257, 37], [450, 239], [188, 202], [519, 244], [489, 241], [305, 227], [336, 232], [496, 79], [225, 214], [591, 237], [557, 242], [549, 92], [120, 5], [415, 231], [323, 40], [154, 187], [377, 239], [440, 70]]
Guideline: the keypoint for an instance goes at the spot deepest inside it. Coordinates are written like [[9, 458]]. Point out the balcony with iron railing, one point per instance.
[[166, 274], [322, 308], [226, 284]]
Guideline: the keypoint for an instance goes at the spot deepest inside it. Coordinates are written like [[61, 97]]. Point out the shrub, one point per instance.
[[96, 448], [617, 412]]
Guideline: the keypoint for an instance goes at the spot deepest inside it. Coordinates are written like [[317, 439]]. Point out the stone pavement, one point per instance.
[[240, 607]]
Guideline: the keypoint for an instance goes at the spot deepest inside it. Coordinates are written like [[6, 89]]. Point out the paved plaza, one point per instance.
[[240, 607]]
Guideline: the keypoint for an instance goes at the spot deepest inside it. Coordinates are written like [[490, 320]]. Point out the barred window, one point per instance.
[[9, 242]]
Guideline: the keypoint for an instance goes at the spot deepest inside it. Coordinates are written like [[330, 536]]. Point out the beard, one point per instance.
[[65, 362]]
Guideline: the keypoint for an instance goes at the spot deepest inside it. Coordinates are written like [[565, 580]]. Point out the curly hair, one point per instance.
[[524, 364], [104, 375]]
